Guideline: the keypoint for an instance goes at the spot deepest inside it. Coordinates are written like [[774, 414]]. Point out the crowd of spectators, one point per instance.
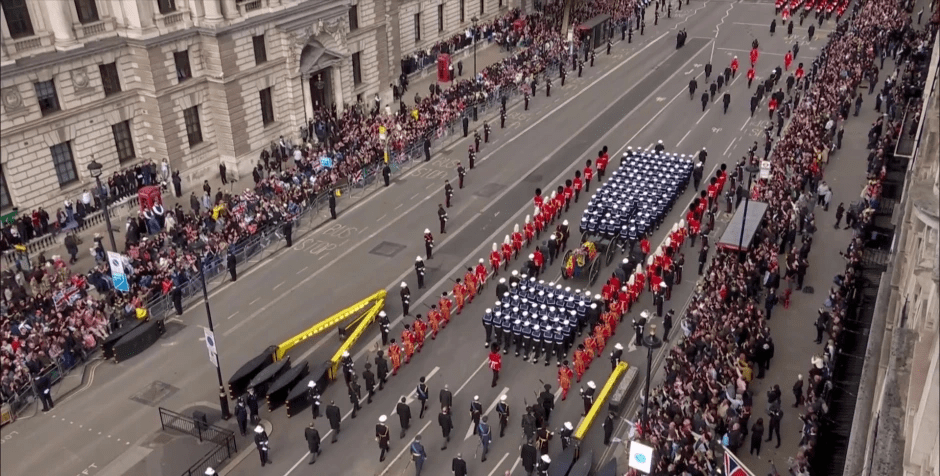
[[49, 312], [705, 401]]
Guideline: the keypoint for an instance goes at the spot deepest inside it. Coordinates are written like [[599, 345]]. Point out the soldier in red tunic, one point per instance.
[[507, 252], [407, 340], [496, 363], [580, 361], [480, 274], [445, 305], [564, 379], [434, 319], [459, 292], [420, 328], [469, 285], [494, 259], [516, 241], [529, 231], [394, 353]]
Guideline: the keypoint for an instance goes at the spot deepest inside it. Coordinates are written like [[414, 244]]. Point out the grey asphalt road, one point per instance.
[[635, 97]]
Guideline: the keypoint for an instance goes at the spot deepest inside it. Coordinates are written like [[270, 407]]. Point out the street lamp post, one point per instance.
[[198, 247], [751, 169], [94, 168], [651, 343], [474, 20]]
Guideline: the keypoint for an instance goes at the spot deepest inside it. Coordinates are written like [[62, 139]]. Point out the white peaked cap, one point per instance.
[[382, 419], [481, 260], [404, 284], [626, 260], [311, 384], [532, 256], [502, 398], [502, 280], [593, 305], [476, 398], [345, 353], [618, 346], [259, 429], [645, 314], [675, 228], [568, 425], [649, 261], [553, 237], [495, 247], [639, 269], [546, 459], [427, 230], [418, 259], [682, 223], [568, 290], [515, 228], [527, 219], [488, 310], [382, 314], [209, 472], [587, 292], [626, 154], [659, 142], [565, 223], [506, 240], [591, 384], [597, 296], [515, 273]]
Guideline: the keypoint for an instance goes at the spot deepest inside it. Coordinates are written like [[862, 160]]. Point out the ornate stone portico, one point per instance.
[[318, 54]]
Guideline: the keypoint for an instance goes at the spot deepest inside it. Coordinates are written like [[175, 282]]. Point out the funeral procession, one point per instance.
[[470, 237]]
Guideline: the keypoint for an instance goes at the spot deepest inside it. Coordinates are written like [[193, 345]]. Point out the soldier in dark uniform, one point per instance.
[[241, 417], [529, 424], [261, 441], [422, 392], [461, 173], [639, 325], [615, 356], [427, 148], [314, 396], [355, 392], [608, 428], [502, 409], [693, 85], [251, 400], [547, 401], [369, 377], [587, 396], [442, 217], [476, 411], [419, 272], [726, 99], [704, 101], [230, 263], [486, 132], [476, 140], [405, 298], [544, 463], [382, 436], [381, 368], [542, 436], [332, 204], [526, 100], [288, 230], [502, 119], [428, 243], [387, 174], [404, 416], [313, 442], [466, 125], [566, 432], [448, 194]]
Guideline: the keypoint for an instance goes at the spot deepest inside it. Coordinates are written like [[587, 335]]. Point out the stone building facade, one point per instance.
[[193, 81]]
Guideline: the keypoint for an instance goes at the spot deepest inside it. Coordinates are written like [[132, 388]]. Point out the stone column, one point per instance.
[[229, 9], [60, 19], [213, 10], [305, 91]]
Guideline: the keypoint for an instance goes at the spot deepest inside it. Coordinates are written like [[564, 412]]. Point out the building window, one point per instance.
[[123, 141], [5, 201], [417, 27], [46, 95], [354, 18], [463, 11], [267, 106], [110, 80], [261, 53], [166, 6], [183, 71], [64, 163], [18, 20], [193, 128], [357, 68], [440, 18], [482, 6], [87, 11], [500, 3]]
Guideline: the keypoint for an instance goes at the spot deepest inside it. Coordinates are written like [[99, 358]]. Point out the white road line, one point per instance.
[[381, 217], [301, 271], [475, 372], [513, 469], [414, 393], [256, 299], [729, 145], [488, 410], [279, 285], [717, 31], [415, 196], [703, 117], [429, 186], [233, 315], [745, 124], [399, 206], [683, 138], [748, 51], [498, 464]]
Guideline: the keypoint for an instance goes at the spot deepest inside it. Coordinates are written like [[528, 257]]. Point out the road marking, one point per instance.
[[683, 138], [396, 208], [482, 159], [233, 315], [301, 271], [717, 30], [513, 469], [729, 145], [256, 299], [498, 464], [381, 217], [415, 196], [748, 51], [496, 214], [429, 186], [279, 285], [488, 410], [745, 124]]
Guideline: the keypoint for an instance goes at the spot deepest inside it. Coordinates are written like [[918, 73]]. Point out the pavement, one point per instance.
[[634, 97]]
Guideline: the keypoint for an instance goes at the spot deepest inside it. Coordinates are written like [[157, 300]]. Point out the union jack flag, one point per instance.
[[733, 466]]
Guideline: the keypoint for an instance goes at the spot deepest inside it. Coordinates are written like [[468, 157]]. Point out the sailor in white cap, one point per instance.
[[209, 472], [313, 395], [639, 325], [261, 441], [502, 409], [545, 462], [562, 232], [616, 355], [566, 431], [659, 147], [405, 298], [419, 271], [428, 243], [382, 436], [659, 297], [587, 395], [476, 411]]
